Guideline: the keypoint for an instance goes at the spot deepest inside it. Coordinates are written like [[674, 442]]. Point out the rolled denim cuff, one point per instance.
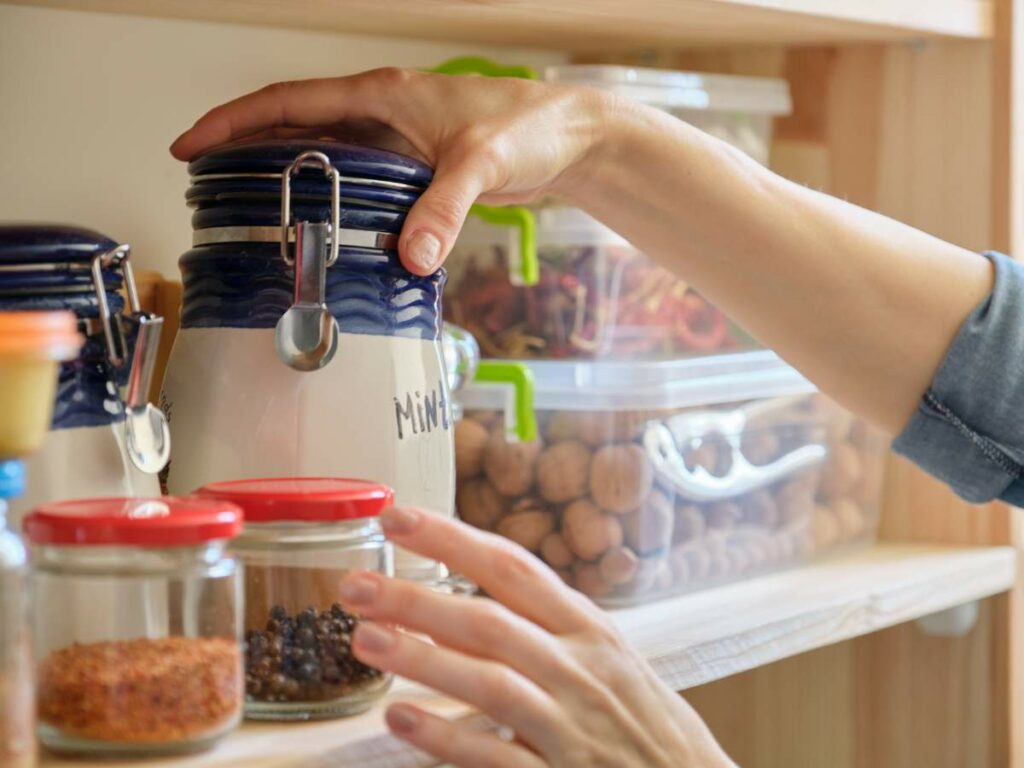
[[968, 430]]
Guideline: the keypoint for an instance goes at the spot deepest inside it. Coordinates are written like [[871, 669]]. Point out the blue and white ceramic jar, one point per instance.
[[318, 356], [90, 450]]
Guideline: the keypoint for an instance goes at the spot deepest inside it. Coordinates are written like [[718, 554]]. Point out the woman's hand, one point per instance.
[[539, 658], [500, 139]]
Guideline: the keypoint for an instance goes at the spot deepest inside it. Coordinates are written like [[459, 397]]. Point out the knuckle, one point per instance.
[[500, 690], [391, 77], [490, 627], [513, 564]]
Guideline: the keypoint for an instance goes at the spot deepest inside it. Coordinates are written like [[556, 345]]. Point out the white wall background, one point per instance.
[[90, 102]]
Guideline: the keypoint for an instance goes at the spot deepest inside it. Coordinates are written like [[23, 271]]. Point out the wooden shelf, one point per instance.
[[588, 24], [690, 640]]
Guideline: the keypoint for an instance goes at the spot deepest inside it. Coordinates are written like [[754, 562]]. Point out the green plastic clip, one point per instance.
[[523, 267], [520, 378], [478, 65]]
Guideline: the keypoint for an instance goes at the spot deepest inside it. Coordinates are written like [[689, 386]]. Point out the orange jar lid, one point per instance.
[[39, 335]]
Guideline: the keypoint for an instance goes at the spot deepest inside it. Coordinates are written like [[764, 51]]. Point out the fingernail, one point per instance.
[[402, 719], [424, 250], [374, 638], [398, 520], [359, 589]]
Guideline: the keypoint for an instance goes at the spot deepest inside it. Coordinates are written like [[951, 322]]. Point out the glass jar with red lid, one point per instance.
[[301, 536], [137, 615]]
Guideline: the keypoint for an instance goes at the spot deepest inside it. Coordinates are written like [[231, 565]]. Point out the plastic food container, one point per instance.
[[655, 479], [17, 698], [136, 624], [739, 110], [597, 297], [295, 359], [104, 438], [31, 346], [302, 535]]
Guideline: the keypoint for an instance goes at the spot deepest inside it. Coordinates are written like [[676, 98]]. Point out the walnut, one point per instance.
[[620, 477], [795, 500], [761, 446], [487, 419], [588, 531], [588, 580], [698, 561], [555, 551], [825, 528], [528, 528], [470, 439], [618, 566], [562, 471], [649, 529], [843, 472], [689, 524], [510, 466], [680, 566], [479, 504], [851, 519], [760, 509], [724, 515], [713, 454]]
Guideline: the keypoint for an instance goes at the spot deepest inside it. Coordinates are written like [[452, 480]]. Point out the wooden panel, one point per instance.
[[587, 24], [161, 297], [817, 709]]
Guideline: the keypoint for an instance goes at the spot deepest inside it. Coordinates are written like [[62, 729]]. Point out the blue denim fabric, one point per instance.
[[968, 430]]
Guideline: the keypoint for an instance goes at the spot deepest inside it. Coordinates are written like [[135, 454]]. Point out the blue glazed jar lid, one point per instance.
[[12, 479], [273, 156], [25, 244]]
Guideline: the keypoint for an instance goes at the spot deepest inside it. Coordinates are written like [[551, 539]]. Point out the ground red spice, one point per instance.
[[142, 691]]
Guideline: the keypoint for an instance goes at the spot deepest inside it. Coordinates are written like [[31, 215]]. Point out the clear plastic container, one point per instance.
[[654, 479], [17, 699], [136, 625], [739, 110], [597, 297], [302, 535]]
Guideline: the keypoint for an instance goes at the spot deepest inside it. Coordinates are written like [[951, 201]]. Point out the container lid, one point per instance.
[[50, 244], [39, 335], [304, 499], [668, 89], [168, 521], [12, 479], [621, 386], [557, 227], [273, 156]]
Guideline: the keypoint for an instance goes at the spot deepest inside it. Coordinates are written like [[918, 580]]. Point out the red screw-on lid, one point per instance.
[[307, 499], [168, 521]]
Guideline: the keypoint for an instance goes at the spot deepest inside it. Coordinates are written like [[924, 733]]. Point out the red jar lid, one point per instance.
[[168, 521], [307, 499]]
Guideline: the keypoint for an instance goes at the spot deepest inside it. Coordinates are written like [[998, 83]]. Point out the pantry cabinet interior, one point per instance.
[[914, 114]]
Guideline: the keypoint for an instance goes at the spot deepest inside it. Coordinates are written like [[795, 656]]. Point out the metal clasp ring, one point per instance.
[[117, 353], [330, 172]]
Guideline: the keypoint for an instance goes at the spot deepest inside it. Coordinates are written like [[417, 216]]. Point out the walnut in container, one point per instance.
[[660, 478]]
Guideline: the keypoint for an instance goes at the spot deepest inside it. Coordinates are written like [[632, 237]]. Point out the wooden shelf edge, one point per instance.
[[585, 25], [690, 640]]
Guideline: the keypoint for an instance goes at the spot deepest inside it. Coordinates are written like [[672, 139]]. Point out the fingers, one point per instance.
[[436, 219], [508, 573], [493, 688], [457, 744], [475, 626], [300, 104]]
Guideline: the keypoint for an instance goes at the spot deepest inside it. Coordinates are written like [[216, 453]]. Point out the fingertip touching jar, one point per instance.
[[306, 348], [301, 536], [136, 627], [104, 439]]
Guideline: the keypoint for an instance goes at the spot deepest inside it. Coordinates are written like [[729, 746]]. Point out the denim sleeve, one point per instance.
[[968, 430]]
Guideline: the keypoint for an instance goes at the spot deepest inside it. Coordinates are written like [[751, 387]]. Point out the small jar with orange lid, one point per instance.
[[301, 536], [31, 346], [136, 624]]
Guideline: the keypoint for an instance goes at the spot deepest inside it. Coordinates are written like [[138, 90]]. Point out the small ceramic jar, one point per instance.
[[302, 535]]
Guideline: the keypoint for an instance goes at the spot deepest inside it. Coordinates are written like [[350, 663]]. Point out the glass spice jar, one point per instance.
[[17, 706], [136, 624], [301, 536]]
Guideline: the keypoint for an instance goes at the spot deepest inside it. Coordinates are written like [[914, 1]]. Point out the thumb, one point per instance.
[[435, 220]]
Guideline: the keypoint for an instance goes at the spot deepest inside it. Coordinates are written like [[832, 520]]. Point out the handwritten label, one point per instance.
[[417, 413]]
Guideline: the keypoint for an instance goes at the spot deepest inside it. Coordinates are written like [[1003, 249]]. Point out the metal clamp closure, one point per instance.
[[286, 201]]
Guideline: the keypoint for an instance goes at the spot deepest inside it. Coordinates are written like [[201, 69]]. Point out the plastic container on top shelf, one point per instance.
[[597, 297], [137, 613], [105, 439], [658, 478]]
